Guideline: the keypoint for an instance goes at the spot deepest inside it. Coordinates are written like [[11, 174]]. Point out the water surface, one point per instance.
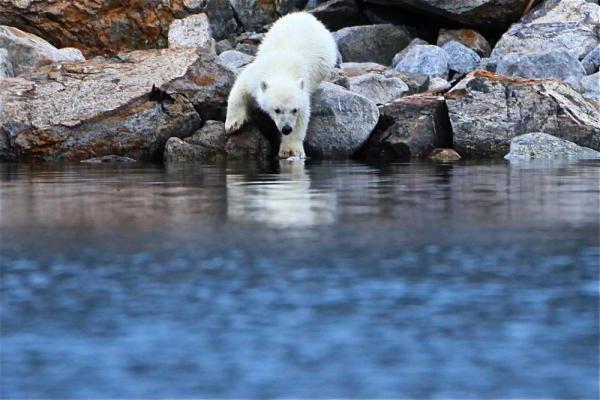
[[466, 280]]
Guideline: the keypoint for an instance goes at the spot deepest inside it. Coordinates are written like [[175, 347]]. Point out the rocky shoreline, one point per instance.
[[149, 80]]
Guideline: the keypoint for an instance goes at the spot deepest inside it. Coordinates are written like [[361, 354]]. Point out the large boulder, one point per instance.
[[412, 126], [488, 110], [206, 145], [192, 31], [567, 25], [540, 145], [468, 37], [487, 14], [425, 59], [590, 87], [341, 122], [559, 65], [338, 14], [400, 55], [107, 27], [371, 43], [6, 68], [378, 88], [28, 52], [75, 111], [255, 14]]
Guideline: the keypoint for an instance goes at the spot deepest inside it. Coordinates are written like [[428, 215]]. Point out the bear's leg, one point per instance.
[[237, 104], [292, 145]]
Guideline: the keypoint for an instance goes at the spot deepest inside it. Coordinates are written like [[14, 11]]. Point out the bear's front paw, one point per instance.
[[234, 121], [288, 150]]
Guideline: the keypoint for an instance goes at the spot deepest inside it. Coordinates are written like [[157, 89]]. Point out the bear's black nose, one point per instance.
[[286, 130]]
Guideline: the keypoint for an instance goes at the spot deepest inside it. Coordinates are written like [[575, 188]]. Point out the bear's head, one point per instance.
[[286, 102]]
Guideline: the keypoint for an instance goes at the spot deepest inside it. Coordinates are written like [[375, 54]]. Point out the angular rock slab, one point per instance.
[[192, 31], [341, 122], [568, 25], [28, 52], [488, 14], [255, 14], [540, 145], [425, 59], [558, 65], [410, 127], [371, 43], [338, 14], [461, 59], [82, 110], [488, 110]]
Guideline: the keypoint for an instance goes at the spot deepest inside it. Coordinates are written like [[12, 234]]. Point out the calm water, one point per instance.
[[303, 281]]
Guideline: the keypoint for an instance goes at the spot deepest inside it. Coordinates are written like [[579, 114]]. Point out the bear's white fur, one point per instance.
[[295, 56]]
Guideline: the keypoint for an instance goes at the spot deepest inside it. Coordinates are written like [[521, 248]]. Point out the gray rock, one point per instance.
[[338, 14], [338, 77], [249, 144], [6, 68], [75, 111], [192, 31], [410, 127], [352, 69], [591, 62], [235, 60], [569, 25], [487, 111], [425, 59], [28, 52], [416, 82], [540, 145], [461, 58], [468, 37], [591, 86], [438, 85], [247, 48], [543, 65], [378, 88], [341, 122], [255, 14], [488, 64], [221, 17], [401, 53], [223, 45], [206, 145], [109, 159], [488, 14], [371, 43]]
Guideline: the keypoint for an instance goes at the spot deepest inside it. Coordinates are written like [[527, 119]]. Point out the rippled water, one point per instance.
[[321, 280]]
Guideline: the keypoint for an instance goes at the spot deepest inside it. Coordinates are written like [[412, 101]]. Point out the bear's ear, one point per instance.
[[301, 84], [263, 86]]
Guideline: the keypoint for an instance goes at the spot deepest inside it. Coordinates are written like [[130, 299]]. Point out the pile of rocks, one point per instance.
[[150, 79]]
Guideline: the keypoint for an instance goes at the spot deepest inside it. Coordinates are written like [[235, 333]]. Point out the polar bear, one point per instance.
[[295, 56]]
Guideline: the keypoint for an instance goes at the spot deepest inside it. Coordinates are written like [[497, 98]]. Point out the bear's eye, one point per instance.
[[295, 110], [277, 111]]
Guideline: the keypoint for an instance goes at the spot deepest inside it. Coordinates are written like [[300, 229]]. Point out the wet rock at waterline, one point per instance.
[[543, 146], [76, 111], [341, 121], [488, 110], [410, 127]]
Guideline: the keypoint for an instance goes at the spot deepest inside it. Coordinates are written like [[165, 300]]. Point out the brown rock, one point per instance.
[[444, 155], [107, 27], [469, 37], [77, 111], [410, 127]]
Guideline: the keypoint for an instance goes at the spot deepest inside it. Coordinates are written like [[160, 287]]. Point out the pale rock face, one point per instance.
[[542, 146], [192, 31], [6, 68], [378, 88], [425, 59], [28, 52], [567, 25]]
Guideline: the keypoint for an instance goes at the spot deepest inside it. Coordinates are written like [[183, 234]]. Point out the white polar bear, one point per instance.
[[295, 56]]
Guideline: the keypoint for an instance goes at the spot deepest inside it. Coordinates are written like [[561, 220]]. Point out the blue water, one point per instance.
[[421, 280]]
